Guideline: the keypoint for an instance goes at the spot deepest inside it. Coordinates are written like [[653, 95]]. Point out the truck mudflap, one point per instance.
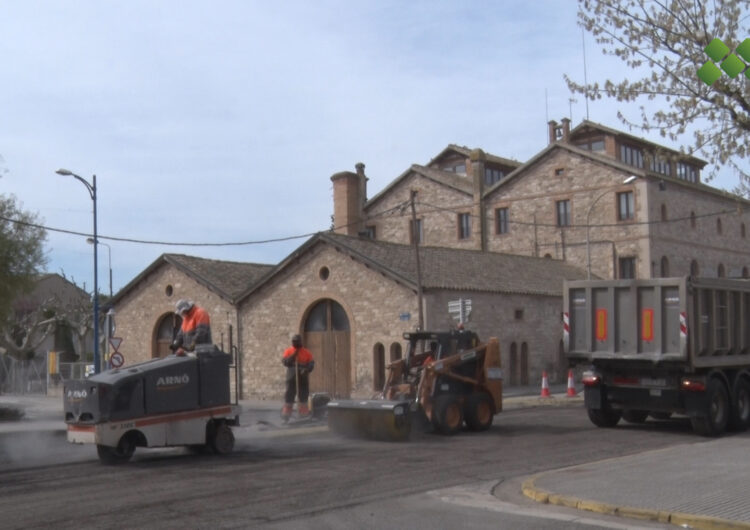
[[375, 419]]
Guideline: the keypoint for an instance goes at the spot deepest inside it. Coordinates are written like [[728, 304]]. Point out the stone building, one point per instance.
[[352, 298], [505, 234], [144, 308], [609, 202]]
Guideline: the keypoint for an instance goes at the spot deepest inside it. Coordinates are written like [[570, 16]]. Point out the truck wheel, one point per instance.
[[447, 414], [222, 439], [478, 412], [605, 417], [634, 416], [717, 410], [740, 417], [117, 455]]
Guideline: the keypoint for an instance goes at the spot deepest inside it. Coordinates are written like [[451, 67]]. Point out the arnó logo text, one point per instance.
[[729, 62]]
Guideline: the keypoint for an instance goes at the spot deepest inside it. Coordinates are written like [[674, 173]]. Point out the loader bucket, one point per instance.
[[374, 419]]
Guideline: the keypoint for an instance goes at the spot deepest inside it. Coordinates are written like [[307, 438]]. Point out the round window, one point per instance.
[[169, 290], [324, 273]]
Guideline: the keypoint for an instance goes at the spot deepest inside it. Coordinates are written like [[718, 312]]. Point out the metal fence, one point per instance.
[[40, 375]]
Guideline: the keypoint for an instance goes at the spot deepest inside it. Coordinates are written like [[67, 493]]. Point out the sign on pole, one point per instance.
[[460, 309]]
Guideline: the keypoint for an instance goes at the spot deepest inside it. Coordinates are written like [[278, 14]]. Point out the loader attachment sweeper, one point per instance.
[[445, 380]]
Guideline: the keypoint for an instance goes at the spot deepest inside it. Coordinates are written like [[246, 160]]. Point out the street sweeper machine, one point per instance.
[[171, 401], [446, 379]]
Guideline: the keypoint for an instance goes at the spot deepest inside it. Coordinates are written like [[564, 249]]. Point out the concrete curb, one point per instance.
[[530, 489]]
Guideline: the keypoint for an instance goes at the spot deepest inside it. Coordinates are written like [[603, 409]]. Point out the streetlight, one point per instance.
[[92, 192], [90, 241], [628, 180]]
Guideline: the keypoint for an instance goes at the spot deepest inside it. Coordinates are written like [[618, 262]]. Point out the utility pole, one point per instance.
[[415, 239]]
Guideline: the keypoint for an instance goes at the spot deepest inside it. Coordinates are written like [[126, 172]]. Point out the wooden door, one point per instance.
[[327, 337]]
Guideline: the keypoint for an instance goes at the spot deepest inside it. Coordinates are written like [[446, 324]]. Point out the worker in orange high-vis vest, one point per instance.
[[299, 363], [195, 328]]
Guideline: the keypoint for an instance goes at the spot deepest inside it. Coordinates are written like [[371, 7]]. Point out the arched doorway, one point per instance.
[[326, 330], [513, 364], [166, 331]]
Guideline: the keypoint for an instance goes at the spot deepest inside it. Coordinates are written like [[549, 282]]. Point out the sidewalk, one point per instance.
[[696, 485]]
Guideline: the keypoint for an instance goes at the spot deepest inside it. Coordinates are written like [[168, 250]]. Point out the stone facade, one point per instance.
[[373, 304], [140, 311]]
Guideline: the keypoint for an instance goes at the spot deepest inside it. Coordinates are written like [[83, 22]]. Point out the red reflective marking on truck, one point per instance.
[[81, 428], [601, 324], [647, 325], [620, 380], [683, 324]]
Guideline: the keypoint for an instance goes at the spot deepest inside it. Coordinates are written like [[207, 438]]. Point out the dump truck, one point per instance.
[[170, 401], [445, 379], [659, 347]]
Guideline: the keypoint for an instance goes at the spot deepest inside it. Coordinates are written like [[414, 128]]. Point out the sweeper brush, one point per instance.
[[446, 378]]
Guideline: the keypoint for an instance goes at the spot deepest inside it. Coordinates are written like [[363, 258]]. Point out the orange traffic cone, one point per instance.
[[545, 385], [571, 386]]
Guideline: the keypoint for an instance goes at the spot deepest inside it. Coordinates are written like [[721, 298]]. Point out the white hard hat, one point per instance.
[[183, 305]]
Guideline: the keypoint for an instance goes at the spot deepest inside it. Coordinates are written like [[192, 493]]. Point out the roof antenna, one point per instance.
[[585, 80]]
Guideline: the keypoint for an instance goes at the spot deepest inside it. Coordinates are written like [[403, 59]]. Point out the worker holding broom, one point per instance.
[[299, 362]]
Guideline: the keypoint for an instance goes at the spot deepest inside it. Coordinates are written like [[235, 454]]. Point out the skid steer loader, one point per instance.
[[445, 379]]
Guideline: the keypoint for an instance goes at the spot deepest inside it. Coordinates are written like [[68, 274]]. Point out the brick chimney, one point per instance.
[[565, 130], [552, 127], [349, 196]]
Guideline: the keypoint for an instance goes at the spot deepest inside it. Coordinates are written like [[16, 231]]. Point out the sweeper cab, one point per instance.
[[171, 401], [446, 379]]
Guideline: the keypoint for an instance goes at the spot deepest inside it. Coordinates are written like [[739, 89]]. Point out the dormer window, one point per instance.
[[458, 168], [686, 172], [592, 144], [660, 165], [492, 175], [632, 156]]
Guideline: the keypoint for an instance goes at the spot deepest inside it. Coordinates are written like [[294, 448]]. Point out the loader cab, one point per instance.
[[422, 345]]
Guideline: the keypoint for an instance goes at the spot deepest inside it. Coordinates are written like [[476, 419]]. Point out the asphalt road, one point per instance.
[[320, 481]]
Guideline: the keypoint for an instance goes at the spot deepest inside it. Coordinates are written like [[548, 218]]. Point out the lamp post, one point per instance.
[[90, 241], [91, 187], [628, 180]]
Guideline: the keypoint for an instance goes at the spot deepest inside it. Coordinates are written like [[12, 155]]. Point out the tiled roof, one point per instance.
[[229, 278], [468, 270]]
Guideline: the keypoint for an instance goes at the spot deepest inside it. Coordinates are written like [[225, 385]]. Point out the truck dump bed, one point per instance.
[[700, 322]]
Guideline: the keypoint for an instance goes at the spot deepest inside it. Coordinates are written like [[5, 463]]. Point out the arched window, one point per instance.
[[663, 212], [524, 364], [742, 230], [720, 272], [694, 269], [395, 351], [692, 219], [664, 272], [378, 367], [718, 226], [745, 272]]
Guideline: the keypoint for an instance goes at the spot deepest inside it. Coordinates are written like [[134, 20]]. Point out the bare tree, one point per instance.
[[664, 41], [27, 326]]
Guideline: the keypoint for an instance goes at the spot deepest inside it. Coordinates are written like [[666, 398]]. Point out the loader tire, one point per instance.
[[717, 410], [447, 414], [478, 412]]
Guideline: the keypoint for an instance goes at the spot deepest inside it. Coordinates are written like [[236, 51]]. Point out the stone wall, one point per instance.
[[139, 312]]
